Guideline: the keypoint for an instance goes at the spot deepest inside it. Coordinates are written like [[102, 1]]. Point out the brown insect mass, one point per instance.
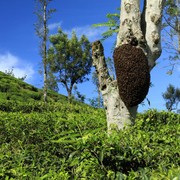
[[132, 72]]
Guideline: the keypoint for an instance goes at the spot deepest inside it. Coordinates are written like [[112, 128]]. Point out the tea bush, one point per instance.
[[69, 141], [28, 141], [62, 140], [15, 89]]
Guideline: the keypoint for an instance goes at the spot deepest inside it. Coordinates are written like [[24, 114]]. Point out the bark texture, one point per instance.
[[141, 31], [153, 18], [44, 50], [145, 27], [118, 116]]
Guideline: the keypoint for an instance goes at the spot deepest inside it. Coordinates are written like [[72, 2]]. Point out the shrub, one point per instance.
[[70, 142]]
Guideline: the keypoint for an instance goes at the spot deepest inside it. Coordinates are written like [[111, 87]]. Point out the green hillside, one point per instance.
[[15, 89], [62, 140]]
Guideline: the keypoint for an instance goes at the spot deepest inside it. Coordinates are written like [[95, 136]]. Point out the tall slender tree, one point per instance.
[[138, 46], [43, 14]]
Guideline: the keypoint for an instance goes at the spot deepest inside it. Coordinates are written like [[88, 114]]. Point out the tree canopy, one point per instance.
[[70, 59]]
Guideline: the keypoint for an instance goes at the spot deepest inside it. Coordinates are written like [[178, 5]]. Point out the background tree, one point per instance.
[[96, 101], [52, 82], [172, 98], [77, 95], [171, 28], [142, 33], [43, 14], [70, 59]]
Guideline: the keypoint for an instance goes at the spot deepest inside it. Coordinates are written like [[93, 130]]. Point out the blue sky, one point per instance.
[[19, 43]]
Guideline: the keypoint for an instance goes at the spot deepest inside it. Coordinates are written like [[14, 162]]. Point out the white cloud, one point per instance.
[[9, 61], [90, 32], [54, 26]]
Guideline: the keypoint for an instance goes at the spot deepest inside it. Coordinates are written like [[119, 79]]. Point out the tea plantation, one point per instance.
[[61, 140]]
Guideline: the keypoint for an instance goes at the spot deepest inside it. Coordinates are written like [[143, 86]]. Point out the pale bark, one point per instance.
[[130, 23], [149, 37], [146, 32], [153, 17], [118, 116], [44, 50]]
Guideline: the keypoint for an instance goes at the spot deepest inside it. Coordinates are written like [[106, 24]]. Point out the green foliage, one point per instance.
[[13, 89], [69, 141], [112, 24], [172, 98], [62, 140], [52, 81], [69, 59], [172, 12], [78, 96], [171, 26], [38, 145]]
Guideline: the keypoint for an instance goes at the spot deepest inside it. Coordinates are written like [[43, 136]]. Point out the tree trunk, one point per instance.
[[117, 114], [45, 84], [45, 50], [68, 89], [145, 30]]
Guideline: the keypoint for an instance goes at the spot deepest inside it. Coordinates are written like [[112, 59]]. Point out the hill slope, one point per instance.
[[62, 140], [12, 88]]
